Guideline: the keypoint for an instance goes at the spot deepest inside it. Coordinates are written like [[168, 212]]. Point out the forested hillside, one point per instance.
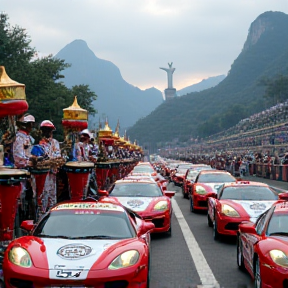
[[239, 95]]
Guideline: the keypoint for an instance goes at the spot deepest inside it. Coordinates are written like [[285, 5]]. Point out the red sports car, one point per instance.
[[81, 244], [262, 248], [190, 177], [238, 202], [207, 184], [147, 198]]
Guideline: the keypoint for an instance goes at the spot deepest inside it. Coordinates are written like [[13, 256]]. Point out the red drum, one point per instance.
[[40, 178], [102, 170], [10, 189], [78, 177]]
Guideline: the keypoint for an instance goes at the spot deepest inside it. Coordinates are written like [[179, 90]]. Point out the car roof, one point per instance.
[[214, 172], [137, 180], [281, 207], [139, 177], [88, 206], [144, 163], [245, 183]]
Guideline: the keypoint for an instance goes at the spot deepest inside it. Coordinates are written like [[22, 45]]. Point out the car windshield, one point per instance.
[[143, 168], [136, 190], [216, 178], [278, 225], [248, 193], [75, 224], [192, 174], [181, 171]]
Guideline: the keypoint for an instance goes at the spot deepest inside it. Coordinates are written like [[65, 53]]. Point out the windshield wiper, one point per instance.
[[94, 237], [52, 236], [279, 233]]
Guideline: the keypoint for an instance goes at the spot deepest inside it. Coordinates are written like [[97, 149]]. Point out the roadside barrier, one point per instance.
[[273, 172]]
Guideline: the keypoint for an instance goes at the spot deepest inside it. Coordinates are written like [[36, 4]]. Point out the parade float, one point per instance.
[[12, 103], [75, 119]]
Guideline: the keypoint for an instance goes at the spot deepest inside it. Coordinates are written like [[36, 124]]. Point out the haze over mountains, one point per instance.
[[204, 84], [117, 99], [264, 54]]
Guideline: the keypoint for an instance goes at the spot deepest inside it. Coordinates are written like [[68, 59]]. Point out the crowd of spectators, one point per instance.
[[261, 138]]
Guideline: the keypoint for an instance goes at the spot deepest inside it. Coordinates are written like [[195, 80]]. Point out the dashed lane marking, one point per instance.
[[205, 273]]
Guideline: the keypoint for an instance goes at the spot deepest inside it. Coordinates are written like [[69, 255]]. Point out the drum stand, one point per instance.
[[40, 177]]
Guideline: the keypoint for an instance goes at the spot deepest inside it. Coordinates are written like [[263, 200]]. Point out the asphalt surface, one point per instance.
[[281, 186], [172, 265]]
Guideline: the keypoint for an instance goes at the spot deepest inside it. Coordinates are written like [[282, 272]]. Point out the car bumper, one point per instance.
[[132, 277], [200, 202], [162, 221], [229, 225]]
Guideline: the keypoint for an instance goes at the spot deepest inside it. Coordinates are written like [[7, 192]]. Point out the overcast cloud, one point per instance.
[[201, 37]]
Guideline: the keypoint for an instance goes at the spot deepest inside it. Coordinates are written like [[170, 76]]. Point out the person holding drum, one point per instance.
[[23, 143], [22, 147], [82, 148], [52, 149]]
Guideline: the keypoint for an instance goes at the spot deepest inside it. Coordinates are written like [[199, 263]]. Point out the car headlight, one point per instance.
[[200, 190], [229, 211], [20, 257], [161, 206], [279, 257], [124, 260]]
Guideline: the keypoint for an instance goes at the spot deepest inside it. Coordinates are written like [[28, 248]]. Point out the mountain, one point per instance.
[[204, 84], [264, 54], [116, 99]]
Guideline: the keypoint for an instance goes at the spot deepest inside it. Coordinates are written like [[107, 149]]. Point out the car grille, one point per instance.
[[29, 284], [232, 226], [116, 284], [158, 222], [203, 203], [21, 283]]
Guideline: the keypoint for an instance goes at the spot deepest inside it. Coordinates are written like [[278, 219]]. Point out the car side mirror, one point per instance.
[[247, 227], [169, 194], [212, 194], [283, 196], [147, 226], [102, 192], [27, 225]]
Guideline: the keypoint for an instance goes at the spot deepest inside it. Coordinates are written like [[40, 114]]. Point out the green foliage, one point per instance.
[[276, 88], [85, 97], [46, 95]]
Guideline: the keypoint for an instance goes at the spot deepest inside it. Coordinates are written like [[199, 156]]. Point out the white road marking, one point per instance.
[[205, 273]]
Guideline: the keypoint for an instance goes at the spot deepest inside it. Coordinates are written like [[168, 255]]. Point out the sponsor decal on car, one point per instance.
[[74, 251]]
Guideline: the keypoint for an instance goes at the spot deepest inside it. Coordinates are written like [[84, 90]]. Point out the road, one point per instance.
[[201, 261]]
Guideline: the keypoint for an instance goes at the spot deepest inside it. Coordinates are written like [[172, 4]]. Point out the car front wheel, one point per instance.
[[210, 223], [240, 259], [191, 204], [216, 235], [257, 275]]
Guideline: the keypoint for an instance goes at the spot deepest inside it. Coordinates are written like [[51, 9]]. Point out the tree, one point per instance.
[[85, 97], [46, 95], [276, 89], [15, 50]]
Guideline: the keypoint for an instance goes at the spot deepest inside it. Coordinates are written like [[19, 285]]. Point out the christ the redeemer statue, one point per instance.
[[170, 72]]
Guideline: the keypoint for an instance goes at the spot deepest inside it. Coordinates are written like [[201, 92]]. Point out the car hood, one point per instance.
[[73, 258], [138, 204], [252, 208], [211, 187]]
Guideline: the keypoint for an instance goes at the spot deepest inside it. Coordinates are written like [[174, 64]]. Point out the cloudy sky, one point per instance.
[[201, 37]]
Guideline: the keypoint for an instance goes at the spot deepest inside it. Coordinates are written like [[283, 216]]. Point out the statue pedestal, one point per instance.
[[170, 93]]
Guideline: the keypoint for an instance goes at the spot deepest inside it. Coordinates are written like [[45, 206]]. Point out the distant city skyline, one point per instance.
[[201, 37]]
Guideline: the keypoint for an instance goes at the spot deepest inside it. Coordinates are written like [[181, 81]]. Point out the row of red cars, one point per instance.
[[252, 211], [101, 242]]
